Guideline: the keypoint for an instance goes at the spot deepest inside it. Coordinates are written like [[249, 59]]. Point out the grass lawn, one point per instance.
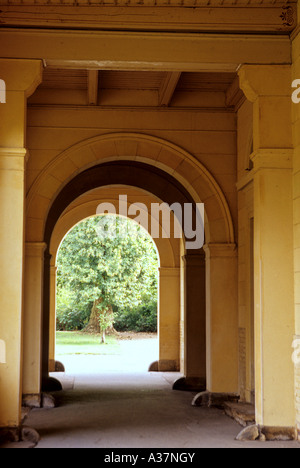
[[83, 343]]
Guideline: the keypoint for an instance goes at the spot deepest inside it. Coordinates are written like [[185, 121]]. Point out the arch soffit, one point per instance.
[[172, 159]]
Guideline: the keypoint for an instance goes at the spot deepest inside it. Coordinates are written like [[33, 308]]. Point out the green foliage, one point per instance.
[[106, 319], [110, 260], [69, 314], [140, 319]]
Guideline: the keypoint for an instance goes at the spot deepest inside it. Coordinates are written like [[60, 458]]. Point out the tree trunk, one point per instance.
[[94, 325]]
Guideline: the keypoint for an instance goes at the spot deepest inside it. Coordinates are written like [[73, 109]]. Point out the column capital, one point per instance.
[[13, 158], [220, 250], [53, 269], [14, 152], [21, 75], [265, 80], [35, 249], [194, 259], [21, 78], [269, 87], [169, 271], [274, 158]]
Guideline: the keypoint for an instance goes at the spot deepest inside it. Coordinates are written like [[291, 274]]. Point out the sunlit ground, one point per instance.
[[83, 353]]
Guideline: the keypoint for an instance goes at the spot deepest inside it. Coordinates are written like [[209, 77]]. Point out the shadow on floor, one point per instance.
[[133, 410]]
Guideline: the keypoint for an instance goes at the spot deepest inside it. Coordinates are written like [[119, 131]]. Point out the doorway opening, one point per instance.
[[107, 297]]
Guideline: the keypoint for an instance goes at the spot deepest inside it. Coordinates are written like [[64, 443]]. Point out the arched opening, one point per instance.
[[107, 297], [154, 181], [169, 250], [207, 278]]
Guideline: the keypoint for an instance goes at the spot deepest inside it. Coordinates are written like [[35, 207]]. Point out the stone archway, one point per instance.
[[165, 188], [161, 154], [169, 270]]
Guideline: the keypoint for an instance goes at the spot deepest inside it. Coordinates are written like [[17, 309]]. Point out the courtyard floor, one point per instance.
[[115, 403]]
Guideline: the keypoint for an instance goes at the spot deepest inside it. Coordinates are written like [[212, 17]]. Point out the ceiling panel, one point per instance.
[[131, 80], [64, 79], [205, 81]]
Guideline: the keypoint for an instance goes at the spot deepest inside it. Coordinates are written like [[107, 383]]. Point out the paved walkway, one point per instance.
[[113, 402], [137, 410]]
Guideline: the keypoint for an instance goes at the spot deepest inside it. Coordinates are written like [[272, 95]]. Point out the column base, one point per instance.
[[214, 400], [50, 384], [56, 366], [164, 365], [263, 433], [190, 384], [12, 436], [32, 400], [40, 400]]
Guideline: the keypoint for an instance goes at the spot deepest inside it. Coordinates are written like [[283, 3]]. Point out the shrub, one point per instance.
[[69, 314], [140, 319]]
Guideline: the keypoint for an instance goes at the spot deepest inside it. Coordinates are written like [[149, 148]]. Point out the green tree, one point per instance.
[[106, 263]]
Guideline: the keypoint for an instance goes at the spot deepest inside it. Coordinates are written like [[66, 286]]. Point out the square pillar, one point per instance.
[[52, 321], [269, 88], [12, 165], [273, 290], [169, 319], [32, 324], [222, 318], [21, 78], [194, 339]]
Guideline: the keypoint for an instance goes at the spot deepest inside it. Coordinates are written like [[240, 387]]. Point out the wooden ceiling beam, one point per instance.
[[93, 83], [109, 50], [234, 95], [167, 88]]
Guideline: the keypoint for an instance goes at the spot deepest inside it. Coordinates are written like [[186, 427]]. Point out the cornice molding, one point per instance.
[[148, 3], [259, 16]]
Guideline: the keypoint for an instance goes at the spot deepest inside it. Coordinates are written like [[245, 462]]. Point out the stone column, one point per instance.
[[52, 324], [32, 323], [169, 319], [194, 324], [221, 318], [269, 88], [21, 78], [49, 384]]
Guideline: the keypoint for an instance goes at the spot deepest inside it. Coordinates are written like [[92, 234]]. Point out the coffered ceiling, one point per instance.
[[138, 88]]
